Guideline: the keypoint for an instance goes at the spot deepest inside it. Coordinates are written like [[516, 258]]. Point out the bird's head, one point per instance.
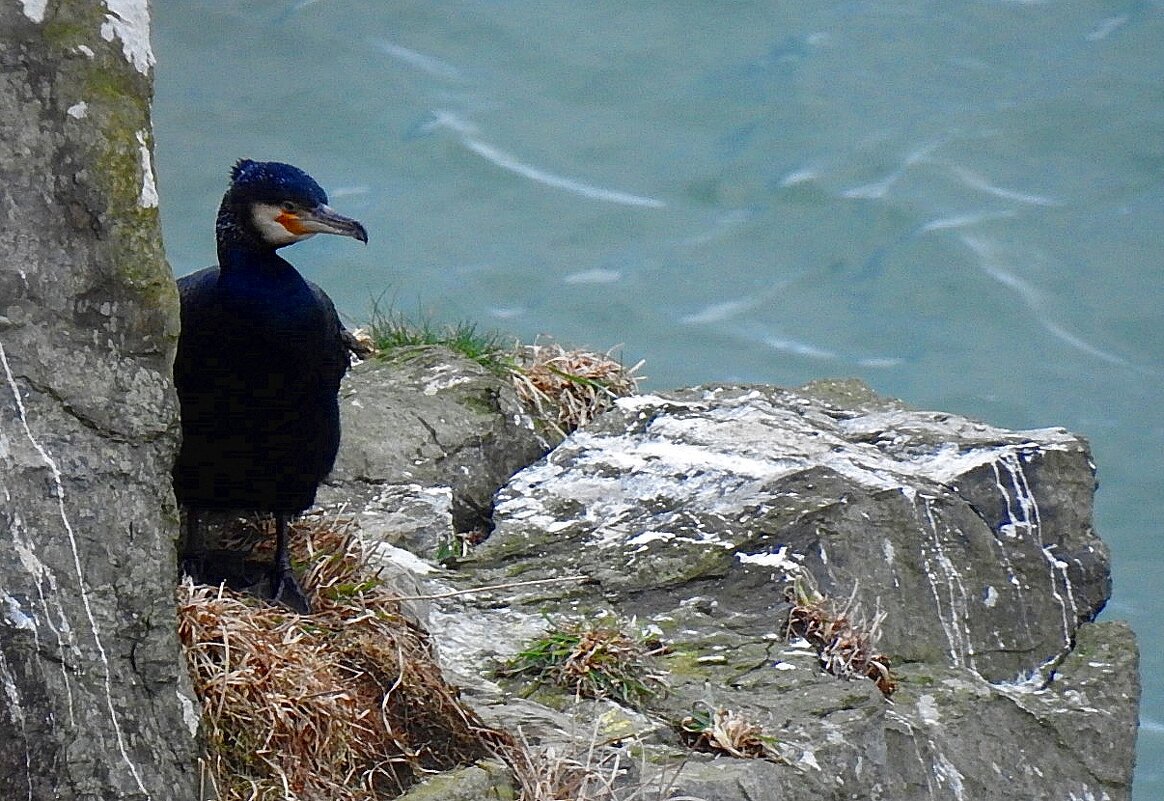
[[270, 204]]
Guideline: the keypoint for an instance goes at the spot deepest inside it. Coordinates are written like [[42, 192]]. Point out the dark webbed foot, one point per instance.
[[285, 588]]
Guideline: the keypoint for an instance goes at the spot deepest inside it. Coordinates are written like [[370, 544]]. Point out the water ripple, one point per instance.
[[430, 65], [1033, 298], [509, 162]]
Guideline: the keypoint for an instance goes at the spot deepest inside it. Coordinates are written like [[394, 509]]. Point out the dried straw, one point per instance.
[[843, 638], [724, 731], [569, 388], [347, 703]]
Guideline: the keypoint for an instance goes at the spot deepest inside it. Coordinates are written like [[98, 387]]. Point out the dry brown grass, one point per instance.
[[569, 388], [347, 703], [845, 641], [723, 731], [566, 388], [592, 771], [548, 774]]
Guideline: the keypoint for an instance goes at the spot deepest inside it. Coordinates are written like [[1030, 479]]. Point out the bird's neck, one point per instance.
[[259, 263]]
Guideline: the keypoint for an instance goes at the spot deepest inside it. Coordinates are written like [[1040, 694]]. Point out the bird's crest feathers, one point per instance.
[[240, 166], [270, 178]]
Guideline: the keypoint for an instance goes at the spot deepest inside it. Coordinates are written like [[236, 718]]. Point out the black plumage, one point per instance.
[[259, 362]]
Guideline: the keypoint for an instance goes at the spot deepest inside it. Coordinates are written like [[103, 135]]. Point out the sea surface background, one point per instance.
[[960, 203]]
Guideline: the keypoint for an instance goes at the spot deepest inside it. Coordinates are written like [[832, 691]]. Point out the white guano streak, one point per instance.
[[16, 712], [938, 567], [149, 188], [129, 21], [59, 488], [34, 9], [42, 575], [1028, 511]]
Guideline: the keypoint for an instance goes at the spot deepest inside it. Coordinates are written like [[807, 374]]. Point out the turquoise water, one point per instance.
[[960, 203]]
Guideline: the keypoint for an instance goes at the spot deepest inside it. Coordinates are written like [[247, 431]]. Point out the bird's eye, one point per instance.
[[288, 205]]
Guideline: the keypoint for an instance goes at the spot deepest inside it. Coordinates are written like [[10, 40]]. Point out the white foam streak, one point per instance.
[[1107, 27], [881, 362], [873, 191], [964, 220], [511, 163], [878, 189], [1031, 296], [798, 348], [425, 63], [717, 312], [722, 226], [796, 177], [975, 181], [451, 121], [1034, 300], [507, 161], [1080, 344], [595, 276]]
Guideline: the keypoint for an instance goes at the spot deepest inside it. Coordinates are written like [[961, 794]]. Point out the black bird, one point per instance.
[[260, 358]]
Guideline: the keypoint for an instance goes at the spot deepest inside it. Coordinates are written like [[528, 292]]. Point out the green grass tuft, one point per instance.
[[562, 389], [391, 330], [591, 661]]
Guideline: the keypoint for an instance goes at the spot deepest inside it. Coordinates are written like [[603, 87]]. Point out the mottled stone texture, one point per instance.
[[976, 542], [89, 660], [693, 511], [430, 419]]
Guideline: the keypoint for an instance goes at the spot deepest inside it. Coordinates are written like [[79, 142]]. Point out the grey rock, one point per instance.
[[431, 419], [94, 691], [408, 515], [948, 526], [486, 781], [693, 510]]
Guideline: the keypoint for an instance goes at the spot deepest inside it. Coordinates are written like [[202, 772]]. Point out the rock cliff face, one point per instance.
[[694, 511], [89, 661]]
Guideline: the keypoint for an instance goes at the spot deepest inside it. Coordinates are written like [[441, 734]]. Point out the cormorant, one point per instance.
[[260, 358]]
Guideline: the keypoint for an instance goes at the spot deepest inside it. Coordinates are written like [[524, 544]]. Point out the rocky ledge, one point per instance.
[[962, 556]]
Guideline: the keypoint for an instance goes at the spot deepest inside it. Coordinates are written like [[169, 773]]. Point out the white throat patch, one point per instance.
[[265, 217]]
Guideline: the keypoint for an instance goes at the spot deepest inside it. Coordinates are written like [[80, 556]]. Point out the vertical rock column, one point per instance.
[[89, 658]]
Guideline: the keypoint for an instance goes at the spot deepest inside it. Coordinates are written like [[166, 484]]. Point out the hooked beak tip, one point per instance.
[[328, 221]]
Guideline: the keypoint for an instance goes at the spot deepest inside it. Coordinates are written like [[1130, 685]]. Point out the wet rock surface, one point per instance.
[[694, 511]]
